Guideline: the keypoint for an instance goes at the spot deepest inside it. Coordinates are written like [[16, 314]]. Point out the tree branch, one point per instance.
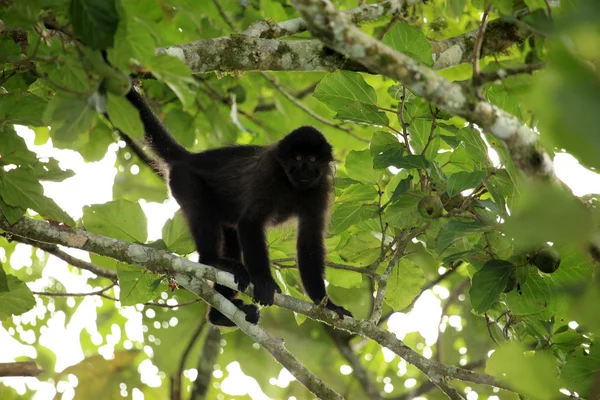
[[206, 363], [177, 379], [256, 49], [271, 344], [341, 340], [69, 259], [347, 39], [366, 12], [191, 275], [310, 112], [21, 368]]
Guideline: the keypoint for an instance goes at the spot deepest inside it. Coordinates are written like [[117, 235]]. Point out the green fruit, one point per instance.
[[546, 260], [450, 203], [512, 282], [431, 207]]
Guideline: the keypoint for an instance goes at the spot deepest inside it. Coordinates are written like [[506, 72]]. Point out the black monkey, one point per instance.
[[229, 195]]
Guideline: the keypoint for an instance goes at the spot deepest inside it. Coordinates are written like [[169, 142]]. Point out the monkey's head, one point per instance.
[[305, 156]]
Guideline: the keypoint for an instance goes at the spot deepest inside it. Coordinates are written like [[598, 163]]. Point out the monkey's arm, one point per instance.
[[256, 258], [311, 261]]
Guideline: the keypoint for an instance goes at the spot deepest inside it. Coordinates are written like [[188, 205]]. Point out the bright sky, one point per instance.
[[92, 184]]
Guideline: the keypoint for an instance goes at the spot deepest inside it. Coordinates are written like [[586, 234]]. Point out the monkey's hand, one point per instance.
[[339, 310], [264, 289]]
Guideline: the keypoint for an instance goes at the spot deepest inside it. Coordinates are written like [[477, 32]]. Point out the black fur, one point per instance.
[[230, 195]]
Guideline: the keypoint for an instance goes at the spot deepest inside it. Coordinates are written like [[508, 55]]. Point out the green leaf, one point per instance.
[[359, 166], [402, 187], [395, 157], [539, 297], [182, 127], [547, 213], [410, 41], [3, 280], [13, 149], [457, 229], [96, 374], [344, 279], [403, 213], [505, 6], [69, 116], [125, 116], [12, 213], [138, 285], [22, 109], [382, 141], [176, 74], [531, 374], [132, 44], [476, 148], [582, 369], [388, 157], [20, 188], [404, 284], [15, 296], [347, 214], [119, 219], [351, 97], [358, 193], [568, 102], [464, 180], [176, 235], [419, 131], [51, 171], [455, 8], [94, 22], [488, 283]]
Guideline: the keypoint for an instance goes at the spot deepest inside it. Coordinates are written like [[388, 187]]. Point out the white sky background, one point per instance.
[[92, 184]]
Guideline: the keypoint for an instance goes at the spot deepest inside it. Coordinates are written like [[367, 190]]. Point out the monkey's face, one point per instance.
[[305, 171], [305, 155]]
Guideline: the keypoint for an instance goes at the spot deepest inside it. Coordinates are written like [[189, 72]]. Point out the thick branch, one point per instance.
[[252, 51], [365, 12], [242, 53], [337, 33], [190, 275], [22, 368], [500, 34], [271, 344]]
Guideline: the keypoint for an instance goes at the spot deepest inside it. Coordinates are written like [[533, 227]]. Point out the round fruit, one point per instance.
[[450, 203], [546, 260], [431, 207], [512, 282]]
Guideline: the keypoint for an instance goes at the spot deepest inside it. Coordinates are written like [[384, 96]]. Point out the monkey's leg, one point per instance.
[[232, 251]]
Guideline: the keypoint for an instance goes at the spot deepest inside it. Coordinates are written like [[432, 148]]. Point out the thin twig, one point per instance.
[[69, 259], [59, 294], [224, 16], [310, 112], [478, 44], [503, 73]]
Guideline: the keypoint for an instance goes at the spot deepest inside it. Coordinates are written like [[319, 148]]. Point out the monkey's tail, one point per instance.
[[159, 138]]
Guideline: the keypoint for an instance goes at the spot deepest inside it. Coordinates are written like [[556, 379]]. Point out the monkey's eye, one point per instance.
[[298, 157], [312, 158]]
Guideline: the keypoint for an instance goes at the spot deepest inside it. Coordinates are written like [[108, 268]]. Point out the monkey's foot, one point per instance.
[[239, 272], [339, 310], [264, 289], [217, 318]]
